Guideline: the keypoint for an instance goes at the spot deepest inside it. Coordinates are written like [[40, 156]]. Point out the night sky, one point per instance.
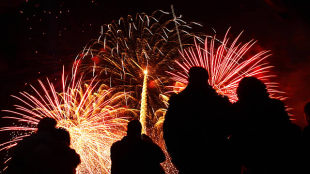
[[38, 37]]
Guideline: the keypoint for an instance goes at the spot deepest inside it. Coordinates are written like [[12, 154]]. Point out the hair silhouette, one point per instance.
[[250, 88], [47, 124], [134, 128], [198, 75]]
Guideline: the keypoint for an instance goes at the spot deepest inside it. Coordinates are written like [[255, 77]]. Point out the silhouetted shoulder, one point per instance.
[[278, 110], [154, 148], [277, 103], [73, 157], [174, 101], [180, 96], [117, 143], [115, 147], [224, 98]]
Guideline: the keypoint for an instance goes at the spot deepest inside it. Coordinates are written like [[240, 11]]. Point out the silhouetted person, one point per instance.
[[45, 152], [262, 129], [63, 136], [196, 127], [66, 158], [136, 153]]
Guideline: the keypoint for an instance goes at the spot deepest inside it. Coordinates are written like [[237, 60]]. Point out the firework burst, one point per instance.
[[227, 63], [95, 115], [129, 46]]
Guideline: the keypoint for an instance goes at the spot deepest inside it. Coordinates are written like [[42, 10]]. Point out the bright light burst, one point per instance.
[[227, 63], [95, 115], [128, 46]]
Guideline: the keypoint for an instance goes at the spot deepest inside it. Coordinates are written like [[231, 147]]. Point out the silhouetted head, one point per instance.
[[63, 136], [134, 128], [198, 76], [251, 89], [47, 124], [307, 111]]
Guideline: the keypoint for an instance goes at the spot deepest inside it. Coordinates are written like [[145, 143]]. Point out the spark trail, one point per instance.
[[227, 63], [95, 116], [143, 110]]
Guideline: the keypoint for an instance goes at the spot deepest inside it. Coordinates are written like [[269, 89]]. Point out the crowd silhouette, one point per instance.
[[204, 133]]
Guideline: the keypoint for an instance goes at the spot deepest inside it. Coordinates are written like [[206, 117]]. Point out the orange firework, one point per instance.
[[95, 115]]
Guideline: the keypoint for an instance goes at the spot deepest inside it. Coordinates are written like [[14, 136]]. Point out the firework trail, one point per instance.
[[143, 110], [227, 63], [95, 115]]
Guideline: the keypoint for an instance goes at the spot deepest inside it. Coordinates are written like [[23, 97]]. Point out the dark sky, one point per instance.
[[39, 36]]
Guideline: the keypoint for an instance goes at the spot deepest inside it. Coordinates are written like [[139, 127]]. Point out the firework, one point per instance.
[[227, 63], [95, 115], [130, 45]]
